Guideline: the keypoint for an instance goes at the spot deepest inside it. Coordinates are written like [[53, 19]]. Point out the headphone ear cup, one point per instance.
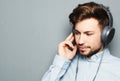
[[107, 35]]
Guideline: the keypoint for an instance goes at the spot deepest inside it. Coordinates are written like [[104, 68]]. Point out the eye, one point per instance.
[[76, 32], [89, 34]]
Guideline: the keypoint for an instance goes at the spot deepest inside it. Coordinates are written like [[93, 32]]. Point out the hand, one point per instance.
[[64, 48]]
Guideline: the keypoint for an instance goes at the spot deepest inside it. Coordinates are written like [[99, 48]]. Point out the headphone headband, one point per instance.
[[108, 32], [110, 17]]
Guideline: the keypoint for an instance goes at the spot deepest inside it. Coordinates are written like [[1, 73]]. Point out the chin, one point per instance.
[[85, 53], [89, 53]]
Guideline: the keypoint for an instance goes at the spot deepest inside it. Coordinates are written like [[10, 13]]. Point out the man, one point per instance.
[[88, 59]]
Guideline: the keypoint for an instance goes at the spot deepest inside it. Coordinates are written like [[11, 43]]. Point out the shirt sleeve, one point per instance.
[[57, 69]]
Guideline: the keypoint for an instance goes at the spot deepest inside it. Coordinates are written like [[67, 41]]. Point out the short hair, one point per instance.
[[90, 10]]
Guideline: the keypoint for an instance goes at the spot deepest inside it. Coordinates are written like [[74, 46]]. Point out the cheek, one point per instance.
[[95, 40]]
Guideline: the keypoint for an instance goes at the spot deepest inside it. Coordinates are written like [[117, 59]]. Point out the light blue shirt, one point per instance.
[[66, 70]]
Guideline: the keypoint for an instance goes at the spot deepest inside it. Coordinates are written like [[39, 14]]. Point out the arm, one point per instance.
[[66, 52], [57, 69]]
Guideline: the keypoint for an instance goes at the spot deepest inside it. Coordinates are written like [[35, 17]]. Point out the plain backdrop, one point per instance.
[[30, 31]]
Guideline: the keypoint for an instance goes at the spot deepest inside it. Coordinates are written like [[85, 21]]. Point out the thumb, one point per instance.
[[75, 49]]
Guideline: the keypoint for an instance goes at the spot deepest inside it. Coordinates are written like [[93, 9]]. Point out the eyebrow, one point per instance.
[[88, 32], [84, 32]]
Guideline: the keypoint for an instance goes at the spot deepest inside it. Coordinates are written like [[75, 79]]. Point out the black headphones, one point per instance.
[[108, 31]]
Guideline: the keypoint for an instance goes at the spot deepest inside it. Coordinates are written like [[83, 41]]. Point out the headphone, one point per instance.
[[108, 31]]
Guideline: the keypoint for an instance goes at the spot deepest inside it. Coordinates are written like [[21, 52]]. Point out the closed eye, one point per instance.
[[89, 33], [76, 32]]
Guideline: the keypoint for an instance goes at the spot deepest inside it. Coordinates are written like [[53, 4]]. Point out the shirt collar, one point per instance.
[[98, 56]]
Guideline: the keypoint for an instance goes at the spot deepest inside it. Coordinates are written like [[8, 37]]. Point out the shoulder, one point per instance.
[[110, 58], [113, 59], [111, 64]]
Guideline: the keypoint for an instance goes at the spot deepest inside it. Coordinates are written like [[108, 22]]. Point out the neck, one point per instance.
[[95, 52]]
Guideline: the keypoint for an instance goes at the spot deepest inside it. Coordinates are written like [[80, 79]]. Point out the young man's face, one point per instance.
[[88, 37]]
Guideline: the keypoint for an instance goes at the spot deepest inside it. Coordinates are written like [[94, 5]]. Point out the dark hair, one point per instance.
[[90, 10]]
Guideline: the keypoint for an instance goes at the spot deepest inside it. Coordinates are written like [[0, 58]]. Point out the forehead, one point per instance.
[[90, 24]]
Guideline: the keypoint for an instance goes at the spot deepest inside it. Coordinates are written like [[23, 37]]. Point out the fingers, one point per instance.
[[69, 41], [70, 37], [69, 44], [66, 48]]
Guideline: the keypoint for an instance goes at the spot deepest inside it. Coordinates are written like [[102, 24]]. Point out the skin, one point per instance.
[[87, 34]]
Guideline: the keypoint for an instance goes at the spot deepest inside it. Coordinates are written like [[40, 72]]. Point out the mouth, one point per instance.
[[82, 48]]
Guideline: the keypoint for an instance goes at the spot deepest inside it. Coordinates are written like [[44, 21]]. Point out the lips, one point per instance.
[[82, 48]]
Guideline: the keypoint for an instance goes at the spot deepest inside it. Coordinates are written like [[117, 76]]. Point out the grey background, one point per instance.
[[30, 31]]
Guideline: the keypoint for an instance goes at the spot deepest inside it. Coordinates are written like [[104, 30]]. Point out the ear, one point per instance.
[[107, 35]]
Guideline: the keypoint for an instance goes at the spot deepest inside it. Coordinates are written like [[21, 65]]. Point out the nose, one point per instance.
[[81, 39]]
